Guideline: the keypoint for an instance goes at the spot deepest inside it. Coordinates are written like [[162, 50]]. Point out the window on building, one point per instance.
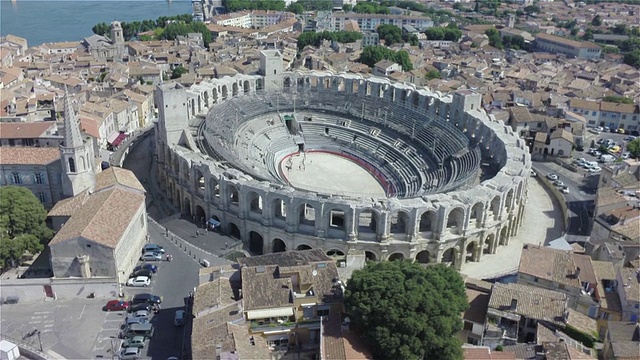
[[308, 312], [322, 312], [72, 165], [42, 197], [16, 178], [623, 117], [39, 179], [593, 113]]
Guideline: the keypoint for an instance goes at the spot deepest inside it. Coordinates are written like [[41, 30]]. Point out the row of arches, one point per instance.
[[204, 95], [453, 256]]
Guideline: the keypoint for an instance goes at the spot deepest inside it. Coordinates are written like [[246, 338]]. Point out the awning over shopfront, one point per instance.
[[269, 313], [119, 139], [112, 137]]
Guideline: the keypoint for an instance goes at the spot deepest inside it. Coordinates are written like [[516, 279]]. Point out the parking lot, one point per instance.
[[81, 329]]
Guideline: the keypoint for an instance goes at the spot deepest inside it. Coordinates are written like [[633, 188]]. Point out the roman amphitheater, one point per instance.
[[342, 162]]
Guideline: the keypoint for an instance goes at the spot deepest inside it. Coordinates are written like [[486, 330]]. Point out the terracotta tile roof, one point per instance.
[[482, 353], [541, 137], [103, 218], [581, 322], [262, 290], [586, 268], [246, 345], [532, 302], [568, 42], [584, 104], [69, 206], [562, 134], [609, 196], [25, 130], [604, 270], [615, 107], [28, 155], [332, 341], [549, 264], [217, 293], [478, 302], [117, 176], [631, 283]]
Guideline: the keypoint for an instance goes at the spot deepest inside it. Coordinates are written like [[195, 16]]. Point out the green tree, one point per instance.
[[391, 34], [588, 34], [406, 311], [596, 21], [634, 148], [101, 29], [432, 74], [494, 38], [618, 99], [632, 58], [178, 71], [295, 8], [372, 54], [347, 8], [532, 9], [22, 224]]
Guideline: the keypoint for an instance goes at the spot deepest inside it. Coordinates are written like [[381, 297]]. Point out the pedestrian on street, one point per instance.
[[197, 233], [226, 245], [206, 229]]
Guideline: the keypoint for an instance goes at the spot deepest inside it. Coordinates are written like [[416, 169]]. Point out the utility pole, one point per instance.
[[39, 340]]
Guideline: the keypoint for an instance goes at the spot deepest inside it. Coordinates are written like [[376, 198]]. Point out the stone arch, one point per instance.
[[206, 99], [279, 208], [370, 256], [455, 220], [368, 221], [256, 243], [214, 188], [495, 206], [508, 203], [234, 196], [215, 94], [337, 219], [307, 214], [504, 236], [234, 89], [450, 257], [335, 252], [396, 256], [259, 84], [519, 192], [471, 251], [428, 221], [399, 223], [200, 214], [416, 100], [234, 231], [186, 171], [423, 257], [246, 86], [489, 244], [225, 92], [477, 214], [278, 245], [186, 207], [176, 165], [255, 203], [303, 247], [199, 182], [287, 82], [178, 199]]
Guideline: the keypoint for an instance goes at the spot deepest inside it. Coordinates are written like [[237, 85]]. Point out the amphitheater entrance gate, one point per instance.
[[370, 256], [256, 243], [234, 231], [335, 253], [471, 252], [489, 244], [278, 246], [303, 247], [423, 257], [396, 256], [201, 215], [450, 257]]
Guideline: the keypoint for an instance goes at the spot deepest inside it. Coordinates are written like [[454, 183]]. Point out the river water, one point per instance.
[[52, 21]]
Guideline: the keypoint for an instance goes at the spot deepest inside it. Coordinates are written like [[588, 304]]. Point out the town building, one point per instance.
[[622, 340], [38, 134], [35, 168], [370, 22], [559, 45]]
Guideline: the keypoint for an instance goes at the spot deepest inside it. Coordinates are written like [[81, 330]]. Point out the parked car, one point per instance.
[[533, 173], [552, 177], [178, 319], [564, 189], [146, 298], [153, 248], [142, 272], [607, 129], [135, 342], [594, 169], [140, 314], [151, 256], [600, 128], [594, 131], [620, 131], [116, 305], [151, 267], [130, 320], [129, 353], [597, 153], [140, 307], [558, 183], [600, 141], [629, 138], [140, 281], [625, 155]]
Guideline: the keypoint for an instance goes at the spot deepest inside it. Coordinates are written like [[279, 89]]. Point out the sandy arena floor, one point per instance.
[[331, 174]]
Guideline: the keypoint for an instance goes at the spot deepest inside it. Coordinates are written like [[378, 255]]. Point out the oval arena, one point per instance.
[[345, 163]]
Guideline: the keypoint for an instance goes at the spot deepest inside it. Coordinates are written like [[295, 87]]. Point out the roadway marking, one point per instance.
[[34, 322], [49, 325], [42, 312], [82, 312]]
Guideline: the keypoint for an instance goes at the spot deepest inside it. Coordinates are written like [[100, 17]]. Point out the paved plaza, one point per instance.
[[542, 223]]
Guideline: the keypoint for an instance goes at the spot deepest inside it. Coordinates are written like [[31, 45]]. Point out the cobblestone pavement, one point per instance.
[[542, 223]]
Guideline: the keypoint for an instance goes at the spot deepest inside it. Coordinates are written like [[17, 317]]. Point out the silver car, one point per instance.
[[151, 256], [129, 353]]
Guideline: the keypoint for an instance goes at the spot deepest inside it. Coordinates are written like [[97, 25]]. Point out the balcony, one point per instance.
[[259, 326]]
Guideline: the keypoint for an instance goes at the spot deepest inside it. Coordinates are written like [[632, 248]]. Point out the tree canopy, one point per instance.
[[406, 311], [391, 34], [131, 29], [372, 54], [237, 5], [451, 33], [22, 224], [634, 148], [370, 8], [316, 38]]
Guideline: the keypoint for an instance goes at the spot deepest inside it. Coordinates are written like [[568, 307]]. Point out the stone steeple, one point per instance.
[[76, 155]]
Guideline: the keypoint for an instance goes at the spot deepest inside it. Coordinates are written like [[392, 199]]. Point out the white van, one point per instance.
[[607, 158]]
